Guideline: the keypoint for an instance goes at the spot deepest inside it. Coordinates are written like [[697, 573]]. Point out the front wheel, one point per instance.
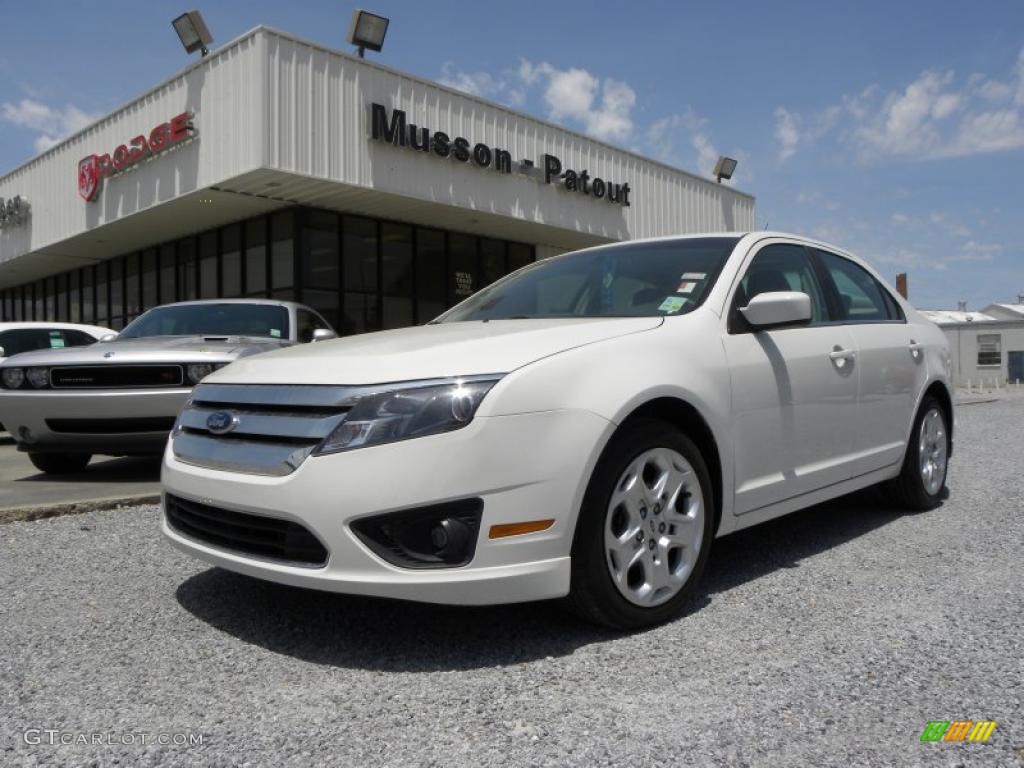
[[60, 463], [922, 479], [644, 530]]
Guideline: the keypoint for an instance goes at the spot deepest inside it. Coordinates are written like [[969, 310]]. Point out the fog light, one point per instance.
[[38, 377], [438, 536]]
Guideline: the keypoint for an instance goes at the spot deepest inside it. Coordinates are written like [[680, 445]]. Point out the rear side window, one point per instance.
[[862, 299], [31, 339]]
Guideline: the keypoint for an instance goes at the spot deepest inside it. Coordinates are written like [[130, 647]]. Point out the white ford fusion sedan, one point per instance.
[[582, 428]]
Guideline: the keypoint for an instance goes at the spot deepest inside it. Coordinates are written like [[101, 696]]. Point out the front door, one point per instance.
[[794, 389]]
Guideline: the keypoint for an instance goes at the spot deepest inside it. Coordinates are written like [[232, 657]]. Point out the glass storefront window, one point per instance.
[[74, 296], [231, 261], [209, 283], [168, 274], [132, 286], [102, 295], [385, 274], [397, 274], [256, 257], [282, 252], [463, 275], [88, 295], [116, 273], [431, 274], [519, 256], [149, 279], [492, 260], [359, 254], [187, 269]]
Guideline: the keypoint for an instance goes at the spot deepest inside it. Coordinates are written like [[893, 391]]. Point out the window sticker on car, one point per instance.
[[693, 276], [686, 287], [56, 340], [672, 304], [275, 333]]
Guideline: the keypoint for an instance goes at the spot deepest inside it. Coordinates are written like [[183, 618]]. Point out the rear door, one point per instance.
[[794, 389], [890, 358]]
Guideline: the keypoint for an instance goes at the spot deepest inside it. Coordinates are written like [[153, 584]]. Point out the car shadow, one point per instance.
[[126, 469], [397, 636]]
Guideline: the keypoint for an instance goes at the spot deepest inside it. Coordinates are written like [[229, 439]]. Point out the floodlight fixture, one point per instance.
[[367, 31], [724, 168], [192, 32]]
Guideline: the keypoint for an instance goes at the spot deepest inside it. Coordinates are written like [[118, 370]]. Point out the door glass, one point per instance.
[[781, 267], [861, 297]]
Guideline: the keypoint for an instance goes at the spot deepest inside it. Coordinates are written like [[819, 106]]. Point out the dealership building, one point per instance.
[[276, 167]]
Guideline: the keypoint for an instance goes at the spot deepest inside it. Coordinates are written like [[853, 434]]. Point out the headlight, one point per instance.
[[407, 412], [198, 371], [38, 377], [13, 377]]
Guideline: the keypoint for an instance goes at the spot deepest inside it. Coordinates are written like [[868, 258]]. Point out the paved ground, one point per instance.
[[22, 485], [828, 638]]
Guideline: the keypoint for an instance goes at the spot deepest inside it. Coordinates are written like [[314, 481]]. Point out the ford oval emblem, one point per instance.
[[221, 422], [108, 354]]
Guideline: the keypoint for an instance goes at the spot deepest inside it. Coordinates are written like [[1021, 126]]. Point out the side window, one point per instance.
[[306, 324], [862, 299], [75, 338], [781, 267], [27, 340]]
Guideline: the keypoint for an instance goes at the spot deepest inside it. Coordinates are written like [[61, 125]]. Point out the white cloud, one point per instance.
[[602, 107], [52, 124], [787, 132], [933, 116], [667, 136]]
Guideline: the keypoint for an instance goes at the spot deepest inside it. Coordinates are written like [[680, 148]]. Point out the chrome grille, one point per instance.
[[273, 428]]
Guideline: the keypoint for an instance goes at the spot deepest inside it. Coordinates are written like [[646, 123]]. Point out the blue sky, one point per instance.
[[893, 129]]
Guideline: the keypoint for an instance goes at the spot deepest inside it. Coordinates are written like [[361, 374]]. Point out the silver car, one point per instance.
[[120, 397]]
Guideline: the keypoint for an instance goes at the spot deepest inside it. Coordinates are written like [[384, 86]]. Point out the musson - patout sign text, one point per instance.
[[94, 168], [394, 129]]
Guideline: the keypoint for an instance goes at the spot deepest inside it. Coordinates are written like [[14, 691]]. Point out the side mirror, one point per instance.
[[108, 337], [775, 308], [323, 334]]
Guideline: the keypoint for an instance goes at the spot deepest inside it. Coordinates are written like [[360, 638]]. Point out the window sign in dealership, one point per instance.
[[94, 168], [399, 132]]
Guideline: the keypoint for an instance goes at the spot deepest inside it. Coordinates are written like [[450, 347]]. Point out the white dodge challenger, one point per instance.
[[582, 428]]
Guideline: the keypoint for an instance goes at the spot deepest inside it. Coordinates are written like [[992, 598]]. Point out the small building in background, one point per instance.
[[985, 346]]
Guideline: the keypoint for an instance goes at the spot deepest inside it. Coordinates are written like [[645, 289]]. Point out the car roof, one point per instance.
[[30, 324], [269, 302]]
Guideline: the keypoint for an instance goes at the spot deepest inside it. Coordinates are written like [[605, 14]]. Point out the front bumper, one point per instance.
[[115, 422], [524, 467]]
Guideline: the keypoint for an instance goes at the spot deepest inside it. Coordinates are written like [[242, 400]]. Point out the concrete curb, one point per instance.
[[28, 514]]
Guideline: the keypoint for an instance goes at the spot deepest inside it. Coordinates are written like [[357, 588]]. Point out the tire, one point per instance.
[[915, 488], [60, 463], [672, 551]]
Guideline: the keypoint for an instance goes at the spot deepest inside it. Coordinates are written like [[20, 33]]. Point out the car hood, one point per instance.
[[178, 349], [429, 351]]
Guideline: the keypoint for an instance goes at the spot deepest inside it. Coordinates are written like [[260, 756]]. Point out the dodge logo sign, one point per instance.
[[221, 422], [89, 177]]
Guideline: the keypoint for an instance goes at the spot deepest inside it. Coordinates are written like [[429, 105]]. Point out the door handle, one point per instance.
[[916, 349], [839, 356]]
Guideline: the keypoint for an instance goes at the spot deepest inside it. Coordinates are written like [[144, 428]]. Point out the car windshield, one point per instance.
[[228, 319], [628, 280]]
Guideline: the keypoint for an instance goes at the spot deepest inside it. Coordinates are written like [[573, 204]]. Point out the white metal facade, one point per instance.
[[281, 121]]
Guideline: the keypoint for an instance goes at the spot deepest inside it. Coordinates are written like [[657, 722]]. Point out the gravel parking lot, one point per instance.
[[830, 637]]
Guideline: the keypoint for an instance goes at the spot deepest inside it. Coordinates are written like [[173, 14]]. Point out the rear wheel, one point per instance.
[[60, 463], [922, 479], [645, 528]]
